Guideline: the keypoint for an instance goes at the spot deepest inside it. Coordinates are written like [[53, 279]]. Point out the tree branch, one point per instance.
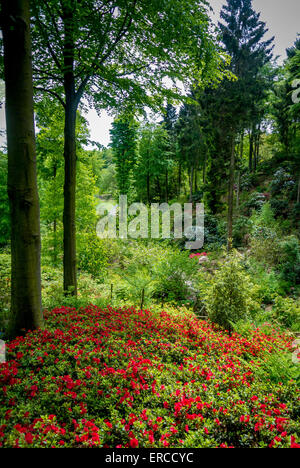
[[52, 93]]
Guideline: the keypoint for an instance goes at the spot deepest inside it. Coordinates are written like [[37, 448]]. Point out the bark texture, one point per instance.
[[26, 309]]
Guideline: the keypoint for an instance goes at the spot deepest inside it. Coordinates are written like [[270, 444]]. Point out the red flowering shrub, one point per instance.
[[127, 378]]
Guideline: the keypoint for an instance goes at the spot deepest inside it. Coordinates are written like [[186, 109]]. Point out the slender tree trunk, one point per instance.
[[298, 193], [55, 225], [148, 187], [251, 151], [257, 146], [179, 179], [238, 190], [26, 308], [158, 187], [69, 221], [167, 186], [196, 180], [191, 183], [231, 195]]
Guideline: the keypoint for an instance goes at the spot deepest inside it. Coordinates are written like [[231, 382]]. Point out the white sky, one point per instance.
[[282, 20]]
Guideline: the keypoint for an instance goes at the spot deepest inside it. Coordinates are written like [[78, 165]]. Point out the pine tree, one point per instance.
[[124, 145]]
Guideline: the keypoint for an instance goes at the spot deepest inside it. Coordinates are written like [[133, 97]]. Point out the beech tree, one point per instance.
[[26, 306], [115, 54]]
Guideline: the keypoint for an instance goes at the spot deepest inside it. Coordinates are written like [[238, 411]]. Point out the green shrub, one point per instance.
[[241, 227], [280, 207], [4, 291], [278, 368], [93, 255], [231, 295], [287, 312], [268, 283], [175, 276], [289, 260], [265, 248]]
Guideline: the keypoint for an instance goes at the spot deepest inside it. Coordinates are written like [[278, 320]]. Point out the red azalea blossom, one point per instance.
[[108, 364]]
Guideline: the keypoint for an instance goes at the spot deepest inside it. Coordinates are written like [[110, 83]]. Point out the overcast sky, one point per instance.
[[282, 20]]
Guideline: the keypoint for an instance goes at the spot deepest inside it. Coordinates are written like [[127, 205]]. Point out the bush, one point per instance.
[[175, 276], [241, 227], [287, 312], [280, 207], [94, 255], [265, 247], [255, 202], [282, 182], [268, 282], [4, 291], [289, 261], [230, 296]]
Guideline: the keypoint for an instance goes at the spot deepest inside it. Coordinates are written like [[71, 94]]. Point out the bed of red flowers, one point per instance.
[[127, 378]]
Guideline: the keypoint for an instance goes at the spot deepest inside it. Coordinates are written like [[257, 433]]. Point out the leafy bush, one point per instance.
[[289, 260], [287, 312], [255, 202], [175, 276], [230, 296], [282, 182], [93, 255], [4, 291], [89, 290], [279, 368], [268, 282], [241, 227], [265, 247], [4, 206], [280, 207]]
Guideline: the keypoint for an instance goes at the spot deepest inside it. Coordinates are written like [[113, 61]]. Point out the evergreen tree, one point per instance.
[[124, 146]]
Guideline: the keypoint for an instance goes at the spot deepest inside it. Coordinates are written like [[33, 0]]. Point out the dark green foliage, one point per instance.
[[4, 206], [289, 261], [124, 145]]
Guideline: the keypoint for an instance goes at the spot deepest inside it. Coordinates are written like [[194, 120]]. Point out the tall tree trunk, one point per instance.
[[179, 178], [238, 190], [196, 180], [158, 187], [26, 307], [191, 183], [251, 151], [69, 221], [167, 186], [231, 195], [257, 147], [55, 225], [298, 193], [148, 187]]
